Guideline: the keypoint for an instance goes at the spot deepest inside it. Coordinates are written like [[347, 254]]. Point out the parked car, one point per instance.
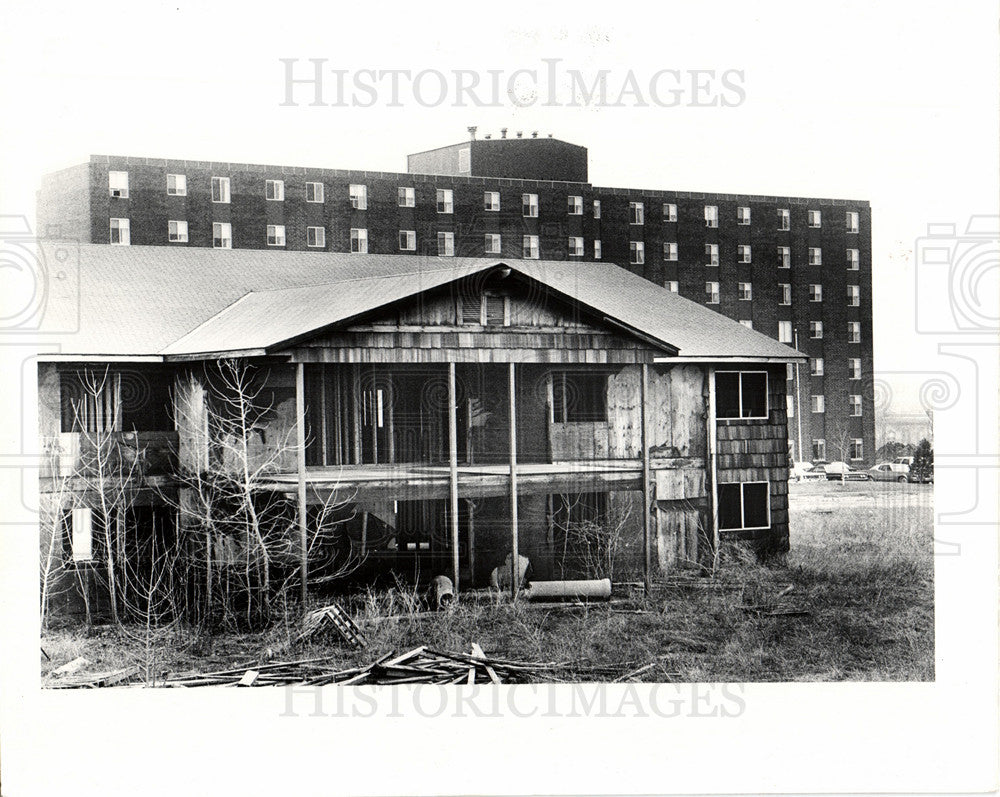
[[889, 472], [841, 471], [806, 472], [908, 461]]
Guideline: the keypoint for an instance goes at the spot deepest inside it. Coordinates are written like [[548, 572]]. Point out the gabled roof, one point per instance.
[[158, 300]]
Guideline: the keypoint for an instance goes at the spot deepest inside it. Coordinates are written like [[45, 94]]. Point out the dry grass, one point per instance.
[[860, 568]]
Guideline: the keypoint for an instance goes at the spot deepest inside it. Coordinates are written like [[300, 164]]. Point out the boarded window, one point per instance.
[[743, 506], [741, 394], [494, 309], [579, 397]]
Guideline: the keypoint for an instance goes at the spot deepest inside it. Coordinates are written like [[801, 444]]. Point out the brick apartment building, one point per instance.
[[797, 269]]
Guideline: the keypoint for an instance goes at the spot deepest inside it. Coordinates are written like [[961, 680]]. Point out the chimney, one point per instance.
[[472, 132], [488, 136], [519, 133], [534, 134], [503, 132]]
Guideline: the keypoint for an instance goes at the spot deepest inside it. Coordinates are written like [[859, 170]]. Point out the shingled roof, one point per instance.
[[165, 301]]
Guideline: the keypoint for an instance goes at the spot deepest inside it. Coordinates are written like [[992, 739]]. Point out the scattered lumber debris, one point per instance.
[[71, 667], [96, 679], [333, 615]]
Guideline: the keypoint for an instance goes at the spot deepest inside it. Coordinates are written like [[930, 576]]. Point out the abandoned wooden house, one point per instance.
[[442, 415]]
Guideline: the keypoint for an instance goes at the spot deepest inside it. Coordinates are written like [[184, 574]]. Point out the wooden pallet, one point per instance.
[[334, 615]]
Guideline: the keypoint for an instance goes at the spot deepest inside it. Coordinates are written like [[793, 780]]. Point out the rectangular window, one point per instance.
[[817, 403], [529, 247], [856, 406], [816, 330], [853, 295], [177, 231], [784, 332], [118, 184], [854, 364], [315, 192], [711, 215], [275, 234], [492, 242], [744, 253], [669, 251], [575, 246], [712, 254], [784, 257], [491, 201], [746, 322], [852, 222], [359, 196], [597, 208], [82, 534], [177, 185], [711, 292], [636, 213], [746, 292], [784, 219], [406, 197], [853, 260], [579, 397], [575, 205], [222, 235], [857, 448], [445, 200], [744, 505], [815, 256], [220, 190], [359, 240], [274, 190], [669, 211], [120, 232], [816, 366], [673, 286], [819, 449], [853, 331], [597, 250], [743, 215], [407, 240], [785, 293], [529, 206], [316, 237], [815, 218], [636, 253], [446, 244], [815, 293], [741, 394]]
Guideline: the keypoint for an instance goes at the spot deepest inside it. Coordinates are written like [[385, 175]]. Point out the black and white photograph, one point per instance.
[[452, 399]]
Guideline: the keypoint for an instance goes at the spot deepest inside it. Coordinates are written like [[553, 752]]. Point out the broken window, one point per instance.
[[744, 506], [741, 394], [579, 397]]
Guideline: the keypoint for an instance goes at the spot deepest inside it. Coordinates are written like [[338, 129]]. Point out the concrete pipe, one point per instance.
[[594, 590], [440, 594]]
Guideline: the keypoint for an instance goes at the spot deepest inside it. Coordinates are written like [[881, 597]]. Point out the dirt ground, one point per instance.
[[853, 600]]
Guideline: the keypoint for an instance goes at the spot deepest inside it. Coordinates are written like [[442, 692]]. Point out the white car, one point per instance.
[[890, 472], [806, 472]]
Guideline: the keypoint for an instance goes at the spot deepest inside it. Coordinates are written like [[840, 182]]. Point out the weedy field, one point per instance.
[[853, 600]]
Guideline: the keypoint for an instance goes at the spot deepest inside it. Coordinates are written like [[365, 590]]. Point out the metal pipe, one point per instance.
[[712, 467], [512, 409], [300, 446], [596, 589], [646, 496], [453, 470]]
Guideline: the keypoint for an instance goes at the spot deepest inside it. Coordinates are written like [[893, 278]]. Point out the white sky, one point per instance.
[[891, 102]]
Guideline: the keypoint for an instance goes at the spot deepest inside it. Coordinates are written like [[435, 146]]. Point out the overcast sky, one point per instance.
[[889, 102]]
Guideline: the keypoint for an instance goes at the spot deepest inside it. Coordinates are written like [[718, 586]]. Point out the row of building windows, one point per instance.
[[816, 368], [855, 449], [177, 232], [274, 190], [786, 335]]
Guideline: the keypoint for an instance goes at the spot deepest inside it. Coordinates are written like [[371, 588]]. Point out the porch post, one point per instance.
[[712, 443], [646, 493], [515, 570], [300, 450], [453, 471]]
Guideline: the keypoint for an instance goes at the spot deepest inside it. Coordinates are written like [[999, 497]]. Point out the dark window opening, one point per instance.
[[741, 394], [121, 400], [743, 506], [579, 397]]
